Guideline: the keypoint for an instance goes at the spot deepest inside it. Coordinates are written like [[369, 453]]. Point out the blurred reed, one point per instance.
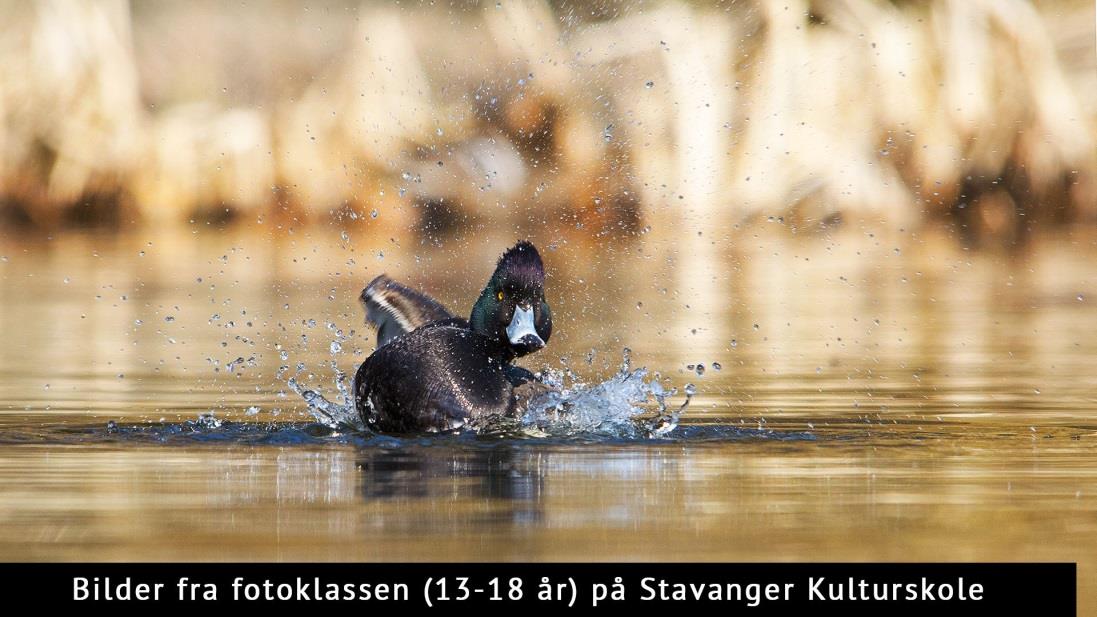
[[590, 116]]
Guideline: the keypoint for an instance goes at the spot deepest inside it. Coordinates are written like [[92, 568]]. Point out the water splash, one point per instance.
[[629, 405], [208, 420], [340, 414]]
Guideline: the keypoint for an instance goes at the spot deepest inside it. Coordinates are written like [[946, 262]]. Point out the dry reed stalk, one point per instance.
[[72, 120], [526, 117]]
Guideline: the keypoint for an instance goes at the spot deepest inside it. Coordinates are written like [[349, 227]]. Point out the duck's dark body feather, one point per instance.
[[458, 376]]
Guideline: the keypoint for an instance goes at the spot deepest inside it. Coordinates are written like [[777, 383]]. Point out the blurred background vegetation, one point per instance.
[[593, 117]]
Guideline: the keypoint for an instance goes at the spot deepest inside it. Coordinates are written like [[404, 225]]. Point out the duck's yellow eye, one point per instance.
[[498, 295]]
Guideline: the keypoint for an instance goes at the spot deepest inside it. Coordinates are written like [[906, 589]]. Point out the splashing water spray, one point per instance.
[[620, 406], [338, 415]]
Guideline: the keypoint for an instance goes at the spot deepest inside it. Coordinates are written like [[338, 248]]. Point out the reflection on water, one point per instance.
[[498, 476], [877, 398], [887, 498]]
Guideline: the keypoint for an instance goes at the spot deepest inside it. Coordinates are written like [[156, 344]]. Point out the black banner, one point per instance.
[[739, 588]]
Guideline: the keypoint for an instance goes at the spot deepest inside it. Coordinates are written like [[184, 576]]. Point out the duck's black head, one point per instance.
[[512, 309]]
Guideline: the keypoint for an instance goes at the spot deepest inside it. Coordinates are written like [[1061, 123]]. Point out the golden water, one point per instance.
[[941, 404]]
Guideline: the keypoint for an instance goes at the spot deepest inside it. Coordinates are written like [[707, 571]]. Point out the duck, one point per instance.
[[435, 372]]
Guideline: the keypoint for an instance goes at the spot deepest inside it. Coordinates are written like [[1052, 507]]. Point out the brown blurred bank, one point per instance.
[[596, 116]]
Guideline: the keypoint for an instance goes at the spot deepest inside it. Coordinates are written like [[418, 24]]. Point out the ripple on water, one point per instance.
[[199, 432]]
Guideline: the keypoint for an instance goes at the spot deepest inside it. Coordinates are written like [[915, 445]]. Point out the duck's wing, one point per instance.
[[396, 309]]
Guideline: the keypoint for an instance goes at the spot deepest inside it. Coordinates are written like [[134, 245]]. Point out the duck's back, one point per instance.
[[435, 378]]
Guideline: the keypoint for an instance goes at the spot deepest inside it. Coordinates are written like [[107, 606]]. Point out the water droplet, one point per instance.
[[374, 213], [700, 369], [169, 318], [716, 366], [649, 85], [251, 411]]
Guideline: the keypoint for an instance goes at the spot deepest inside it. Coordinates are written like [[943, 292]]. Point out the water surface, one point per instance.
[[878, 398]]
